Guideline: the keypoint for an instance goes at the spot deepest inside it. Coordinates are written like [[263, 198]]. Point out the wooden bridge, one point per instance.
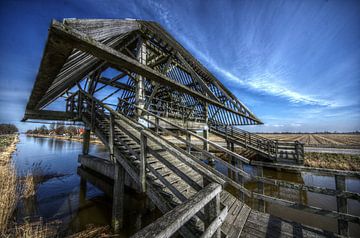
[[146, 98]]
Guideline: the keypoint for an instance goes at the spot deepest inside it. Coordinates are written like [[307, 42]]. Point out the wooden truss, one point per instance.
[[155, 71]]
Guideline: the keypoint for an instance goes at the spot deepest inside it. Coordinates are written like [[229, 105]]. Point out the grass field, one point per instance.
[[321, 140], [332, 161]]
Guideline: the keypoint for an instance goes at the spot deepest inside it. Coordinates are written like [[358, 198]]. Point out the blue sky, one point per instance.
[[295, 64]]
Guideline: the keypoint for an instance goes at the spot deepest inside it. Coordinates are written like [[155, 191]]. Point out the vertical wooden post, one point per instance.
[[340, 185], [111, 138], [241, 182], [140, 86], [92, 114], [228, 157], [212, 211], [260, 185], [79, 105], [118, 198], [86, 141], [297, 152], [232, 148], [206, 144], [143, 154], [276, 150], [156, 125], [188, 140]]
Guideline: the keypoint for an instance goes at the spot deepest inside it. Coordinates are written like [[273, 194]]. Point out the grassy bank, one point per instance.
[[332, 161], [8, 180]]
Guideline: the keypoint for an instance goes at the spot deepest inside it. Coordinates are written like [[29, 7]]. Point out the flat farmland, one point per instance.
[[320, 140]]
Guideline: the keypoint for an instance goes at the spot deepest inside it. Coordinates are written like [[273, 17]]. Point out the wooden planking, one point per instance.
[[240, 219], [265, 225], [100, 29]]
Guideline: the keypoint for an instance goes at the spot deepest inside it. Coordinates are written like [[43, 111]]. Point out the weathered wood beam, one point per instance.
[[169, 223], [196, 77], [87, 44], [120, 85], [156, 30], [49, 115], [55, 54]]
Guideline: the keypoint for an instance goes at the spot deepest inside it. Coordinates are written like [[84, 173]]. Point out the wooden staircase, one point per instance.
[[281, 151], [170, 180]]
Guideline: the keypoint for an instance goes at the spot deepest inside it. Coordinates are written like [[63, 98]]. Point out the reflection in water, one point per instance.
[[64, 198], [303, 197], [74, 201]]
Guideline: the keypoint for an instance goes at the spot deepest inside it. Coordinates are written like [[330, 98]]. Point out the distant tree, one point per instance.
[[29, 132], [60, 130], [43, 130], [71, 130], [52, 127], [8, 129]]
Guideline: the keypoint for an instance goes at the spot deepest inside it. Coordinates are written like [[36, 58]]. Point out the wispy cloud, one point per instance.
[[267, 82]]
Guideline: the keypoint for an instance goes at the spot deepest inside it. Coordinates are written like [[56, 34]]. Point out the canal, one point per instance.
[[58, 197]]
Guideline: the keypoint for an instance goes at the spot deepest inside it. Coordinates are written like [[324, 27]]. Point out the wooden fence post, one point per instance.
[[143, 154], [111, 138], [212, 211], [340, 185], [118, 198], [241, 181], [260, 185]]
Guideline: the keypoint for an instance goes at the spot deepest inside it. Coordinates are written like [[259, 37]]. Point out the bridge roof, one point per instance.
[[77, 47]]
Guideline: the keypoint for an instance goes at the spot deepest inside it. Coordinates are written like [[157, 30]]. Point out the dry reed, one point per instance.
[[8, 184], [37, 229]]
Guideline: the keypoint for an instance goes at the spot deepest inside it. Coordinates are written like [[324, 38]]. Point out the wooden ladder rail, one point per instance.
[[170, 222]]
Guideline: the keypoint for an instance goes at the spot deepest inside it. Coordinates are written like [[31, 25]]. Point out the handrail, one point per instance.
[[229, 152], [173, 220], [340, 191], [274, 149]]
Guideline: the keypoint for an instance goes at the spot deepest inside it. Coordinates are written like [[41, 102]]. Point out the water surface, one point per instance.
[[61, 197]]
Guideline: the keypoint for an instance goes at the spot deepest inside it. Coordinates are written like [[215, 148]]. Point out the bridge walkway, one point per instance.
[[173, 176]]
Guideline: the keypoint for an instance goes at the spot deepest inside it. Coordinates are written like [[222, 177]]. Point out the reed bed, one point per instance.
[[9, 186]]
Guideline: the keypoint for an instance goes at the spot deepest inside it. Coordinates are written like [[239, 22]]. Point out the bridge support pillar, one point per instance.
[[86, 141], [118, 198]]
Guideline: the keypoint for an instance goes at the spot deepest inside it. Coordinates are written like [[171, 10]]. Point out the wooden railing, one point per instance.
[[272, 149], [234, 163], [172, 221], [98, 111]]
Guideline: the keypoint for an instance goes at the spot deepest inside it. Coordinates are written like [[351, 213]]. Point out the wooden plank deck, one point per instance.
[[171, 179]]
